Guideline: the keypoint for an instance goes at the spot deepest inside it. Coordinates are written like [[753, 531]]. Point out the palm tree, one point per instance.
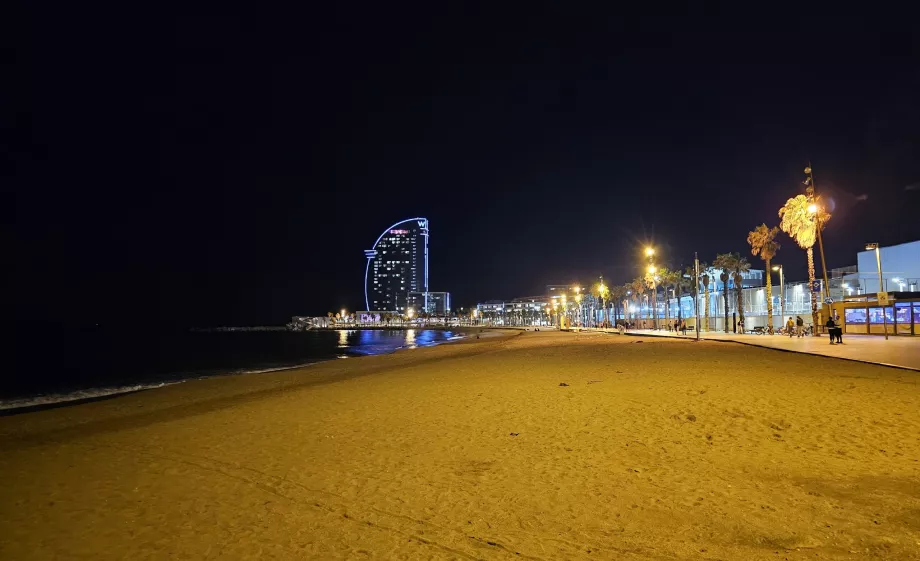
[[732, 265], [617, 294], [705, 277], [601, 292], [764, 245], [801, 225], [689, 282], [638, 288], [720, 263], [670, 279]]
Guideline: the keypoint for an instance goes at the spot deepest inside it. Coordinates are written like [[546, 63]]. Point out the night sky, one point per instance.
[[231, 170]]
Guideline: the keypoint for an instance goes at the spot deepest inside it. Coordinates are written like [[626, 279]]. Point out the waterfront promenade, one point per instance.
[[902, 352], [538, 446]]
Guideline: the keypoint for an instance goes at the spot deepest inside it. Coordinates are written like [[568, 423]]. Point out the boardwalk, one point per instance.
[[903, 352]]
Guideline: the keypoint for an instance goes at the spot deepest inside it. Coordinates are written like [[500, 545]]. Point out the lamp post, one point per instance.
[[650, 253], [654, 303], [578, 305], [813, 209], [603, 302], [878, 260], [782, 292], [626, 307], [565, 313]]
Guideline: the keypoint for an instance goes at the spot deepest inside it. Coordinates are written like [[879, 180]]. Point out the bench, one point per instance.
[[759, 330]]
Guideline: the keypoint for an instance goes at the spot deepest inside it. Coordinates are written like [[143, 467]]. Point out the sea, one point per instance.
[[66, 366]]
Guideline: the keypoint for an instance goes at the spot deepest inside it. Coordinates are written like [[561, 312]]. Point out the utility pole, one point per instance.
[[812, 198], [696, 293], [878, 260]]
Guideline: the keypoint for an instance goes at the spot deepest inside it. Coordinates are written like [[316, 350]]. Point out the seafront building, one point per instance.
[[397, 264], [396, 274], [853, 294]]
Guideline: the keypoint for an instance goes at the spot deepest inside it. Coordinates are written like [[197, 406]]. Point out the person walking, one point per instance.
[[799, 326], [790, 327]]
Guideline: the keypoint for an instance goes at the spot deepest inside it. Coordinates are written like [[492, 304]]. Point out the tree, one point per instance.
[[801, 225], [732, 265], [691, 284], [638, 289], [705, 278], [601, 292], [617, 295], [670, 279], [723, 276], [764, 245]]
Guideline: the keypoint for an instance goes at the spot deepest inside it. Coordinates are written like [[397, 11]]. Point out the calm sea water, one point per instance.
[[81, 364]]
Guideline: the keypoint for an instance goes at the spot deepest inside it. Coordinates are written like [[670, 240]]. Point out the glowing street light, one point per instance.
[[813, 209], [649, 252], [782, 292]]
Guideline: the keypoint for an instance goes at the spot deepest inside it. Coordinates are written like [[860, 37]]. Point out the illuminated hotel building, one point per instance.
[[397, 264]]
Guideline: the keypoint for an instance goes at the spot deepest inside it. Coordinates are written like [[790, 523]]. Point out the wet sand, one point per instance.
[[663, 449]]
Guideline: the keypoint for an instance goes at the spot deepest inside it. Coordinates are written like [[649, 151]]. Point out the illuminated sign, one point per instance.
[[399, 231]]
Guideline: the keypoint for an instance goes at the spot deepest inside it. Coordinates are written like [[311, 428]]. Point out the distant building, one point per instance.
[[397, 264], [430, 302], [900, 270], [558, 288]]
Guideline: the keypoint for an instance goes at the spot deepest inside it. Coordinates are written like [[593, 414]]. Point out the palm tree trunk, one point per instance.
[[667, 306], [741, 302], [707, 306], [814, 301], [769, 299], [725, 299]]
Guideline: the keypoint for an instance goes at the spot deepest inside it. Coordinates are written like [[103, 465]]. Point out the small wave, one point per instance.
[[54, 398]]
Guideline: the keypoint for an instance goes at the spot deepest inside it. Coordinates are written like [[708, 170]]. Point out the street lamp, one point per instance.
[[878, 260], [651, 272], [813, 209], [565, 312], [782, 292]]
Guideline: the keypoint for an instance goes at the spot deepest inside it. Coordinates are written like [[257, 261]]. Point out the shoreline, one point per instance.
[[56, 400]]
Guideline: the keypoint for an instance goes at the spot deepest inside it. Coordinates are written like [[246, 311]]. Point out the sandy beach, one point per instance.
[[530, 445]]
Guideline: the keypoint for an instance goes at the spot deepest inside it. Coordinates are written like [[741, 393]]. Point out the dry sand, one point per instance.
[[654, 450]]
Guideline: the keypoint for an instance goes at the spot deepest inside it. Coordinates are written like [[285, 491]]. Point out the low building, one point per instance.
[[900, 270]]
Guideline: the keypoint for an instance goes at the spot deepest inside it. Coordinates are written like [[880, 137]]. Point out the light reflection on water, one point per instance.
[[381, 341]]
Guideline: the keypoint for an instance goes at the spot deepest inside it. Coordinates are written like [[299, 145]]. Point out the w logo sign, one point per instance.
[[422, 223]]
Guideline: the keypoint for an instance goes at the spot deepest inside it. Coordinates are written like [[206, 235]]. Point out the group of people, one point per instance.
[[796, 327], [678, 326], [834, 330]]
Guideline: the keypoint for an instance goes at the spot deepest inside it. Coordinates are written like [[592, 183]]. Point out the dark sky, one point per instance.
[[232, 169]]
